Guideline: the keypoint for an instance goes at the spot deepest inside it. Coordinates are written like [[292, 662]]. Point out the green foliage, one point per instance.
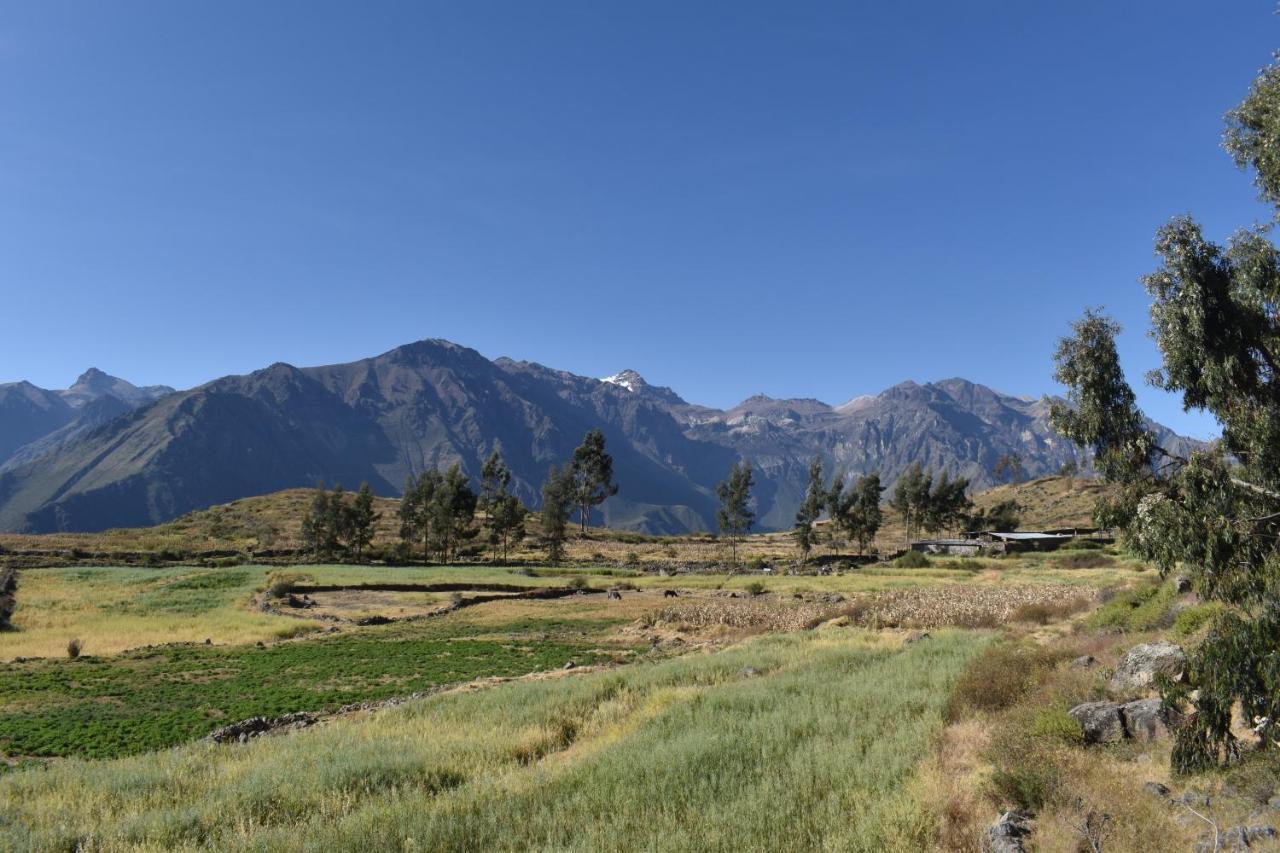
[[8, 597], [557, 500], [1191, 620], [912, 560], [437, 510], [1025, 787], [1000, 676], [592, 473], [156, 698], [332, 527], [1140, 609], [810, 509], [1056, 724], [856, 510], [1003, 516], [755, 588], [504, 512], [74, 647], [735, 515]]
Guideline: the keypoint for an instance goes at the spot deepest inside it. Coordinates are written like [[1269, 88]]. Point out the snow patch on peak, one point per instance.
[[628, 379]]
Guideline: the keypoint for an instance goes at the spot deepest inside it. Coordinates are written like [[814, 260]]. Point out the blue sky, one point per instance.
[[816, 199]]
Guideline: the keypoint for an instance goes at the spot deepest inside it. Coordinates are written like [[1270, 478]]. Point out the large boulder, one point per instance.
[[1007, 833], [1100, 721], [1144, 720], [1142, 663]]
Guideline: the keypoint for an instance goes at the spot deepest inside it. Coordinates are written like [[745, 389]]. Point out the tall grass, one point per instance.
[[796, 742]]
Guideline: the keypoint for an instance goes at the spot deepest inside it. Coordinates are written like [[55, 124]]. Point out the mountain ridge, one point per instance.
[[432, 403]]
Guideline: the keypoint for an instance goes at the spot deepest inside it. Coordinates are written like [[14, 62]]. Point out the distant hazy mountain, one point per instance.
[[433, 403], [29, 414]]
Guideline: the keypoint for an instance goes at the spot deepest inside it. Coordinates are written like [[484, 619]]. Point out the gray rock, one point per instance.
[[1157, 790], [570, 665], [1083, 662], [1007, 834], [1234, 839], [1141, 664], [1182, 584], [915, 637], [748, 672], [1143, 720], [1194, 799], [1101, 721]]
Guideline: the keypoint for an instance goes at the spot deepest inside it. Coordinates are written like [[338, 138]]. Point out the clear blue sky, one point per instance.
[[800, 199]]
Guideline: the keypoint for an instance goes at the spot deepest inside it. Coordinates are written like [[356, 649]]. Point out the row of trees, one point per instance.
[[854, 508], [581, 484], [335, 526]]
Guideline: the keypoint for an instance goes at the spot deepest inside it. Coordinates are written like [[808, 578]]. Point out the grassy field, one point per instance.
[[781, 742], [113, 609]]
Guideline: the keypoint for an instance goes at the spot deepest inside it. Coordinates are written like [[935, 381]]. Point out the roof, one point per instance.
[[1036, 536]]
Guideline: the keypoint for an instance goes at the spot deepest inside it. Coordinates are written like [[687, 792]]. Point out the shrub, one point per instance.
[[1081, 545], [755, 588], [1036, 613], [74, 647], [999, 677], [578, 582], [756, 564], [912, 560], [1139, 609], [632, 559], [1084, 561], [280, 584], [1023, 787], [1056, 724], [1191, 619], [8, 597], [670, 552]]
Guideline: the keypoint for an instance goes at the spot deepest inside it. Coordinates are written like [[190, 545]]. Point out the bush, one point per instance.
[[632, 559], [280, 584], [1139, 609], [1056, 724], [1023, 787], [1190, 620], [912, 560], [74, 647], [756, 564], [1081, 545], [1084, 561], [670, 552], [755, 588], [578, 582], [1038, 614], [999, 677]]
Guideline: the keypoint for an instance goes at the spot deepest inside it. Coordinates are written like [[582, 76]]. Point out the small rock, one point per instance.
[[1235, 838], [1141, 664], [1274, 803], [1192, 798], [1083, 662], [1007, 833], [1182, 584], [748, 672], [1100, 721], [915, 637], [1144, 720], [1156, 789], [570, 665]]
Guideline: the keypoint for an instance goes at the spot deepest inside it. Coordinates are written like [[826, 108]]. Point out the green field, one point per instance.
[[783, 742]]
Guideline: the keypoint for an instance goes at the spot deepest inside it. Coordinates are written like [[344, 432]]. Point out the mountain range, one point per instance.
[[104, 453]]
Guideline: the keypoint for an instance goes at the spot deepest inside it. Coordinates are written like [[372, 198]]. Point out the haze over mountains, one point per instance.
[[105, 453]]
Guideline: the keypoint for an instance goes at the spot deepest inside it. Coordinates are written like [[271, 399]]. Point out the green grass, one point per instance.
[[809, 752], [1141, 609], [151, 699]]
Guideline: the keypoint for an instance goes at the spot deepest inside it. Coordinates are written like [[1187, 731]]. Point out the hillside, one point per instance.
[[268, 526], [434, 403]]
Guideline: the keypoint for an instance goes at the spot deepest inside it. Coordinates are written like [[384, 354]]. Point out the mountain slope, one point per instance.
[[433, 403]]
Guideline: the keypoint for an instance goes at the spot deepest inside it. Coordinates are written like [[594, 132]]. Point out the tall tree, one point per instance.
[[503, 511], [948, 504], [1216, 515], [558, 498], [8, 597], [867, 514], [363, 520], [453, 511], [592, 475], [810, 509], [910, 496], [735, 515]]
